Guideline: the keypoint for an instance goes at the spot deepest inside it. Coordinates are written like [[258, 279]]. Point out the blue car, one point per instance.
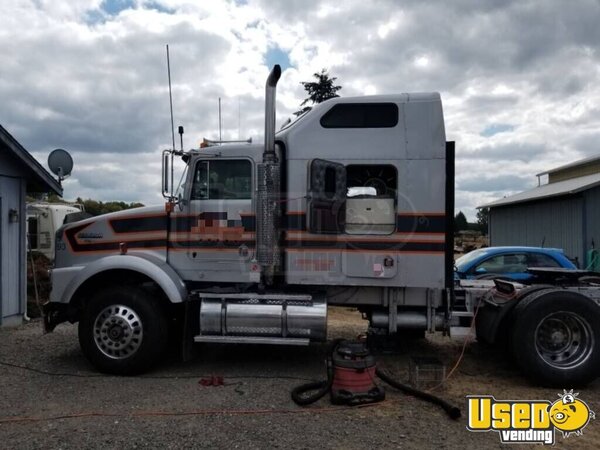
[[508, 262]]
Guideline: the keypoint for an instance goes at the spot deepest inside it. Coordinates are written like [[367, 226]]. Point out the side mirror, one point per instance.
[[166, 176], [480, 271]]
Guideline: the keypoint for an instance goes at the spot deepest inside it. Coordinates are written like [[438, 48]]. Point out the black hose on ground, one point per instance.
[[321, 387], [452, 411]]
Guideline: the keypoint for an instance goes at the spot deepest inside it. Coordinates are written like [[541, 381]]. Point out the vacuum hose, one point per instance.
[[321, 388], [451, 410]]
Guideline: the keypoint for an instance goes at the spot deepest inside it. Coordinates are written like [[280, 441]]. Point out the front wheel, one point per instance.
[[123, 330], [556, 338]]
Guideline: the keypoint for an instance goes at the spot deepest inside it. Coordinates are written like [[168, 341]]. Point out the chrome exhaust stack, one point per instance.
[[268, 210], [270, 91]]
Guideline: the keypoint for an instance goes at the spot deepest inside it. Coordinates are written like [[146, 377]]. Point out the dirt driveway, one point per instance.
[[51, 398]]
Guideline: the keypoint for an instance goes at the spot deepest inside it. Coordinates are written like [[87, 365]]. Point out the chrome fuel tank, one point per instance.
[[269, 315]]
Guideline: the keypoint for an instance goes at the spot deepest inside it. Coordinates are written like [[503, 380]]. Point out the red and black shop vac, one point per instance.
[[351, 374], [354, 375]]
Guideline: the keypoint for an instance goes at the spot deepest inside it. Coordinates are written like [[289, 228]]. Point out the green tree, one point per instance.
[[483, 217], [318, 91], [460, 222], [95, 207]]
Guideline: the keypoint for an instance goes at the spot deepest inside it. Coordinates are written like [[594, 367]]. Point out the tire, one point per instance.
[[555, 338], [123, 331]]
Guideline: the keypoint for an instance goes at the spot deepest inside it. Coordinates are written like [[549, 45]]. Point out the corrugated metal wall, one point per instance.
[[592, 217], [555, 223]]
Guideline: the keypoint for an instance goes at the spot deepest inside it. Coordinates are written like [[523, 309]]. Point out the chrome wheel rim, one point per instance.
[[564, 340], [118, 331]]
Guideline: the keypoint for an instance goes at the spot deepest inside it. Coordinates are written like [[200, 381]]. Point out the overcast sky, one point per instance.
[[520, 80]]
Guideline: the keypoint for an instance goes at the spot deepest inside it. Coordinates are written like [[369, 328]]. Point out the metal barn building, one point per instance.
[[20, 174], [563, 213]]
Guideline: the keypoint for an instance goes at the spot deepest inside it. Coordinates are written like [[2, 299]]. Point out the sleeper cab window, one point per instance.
[[361, 115], [371, 198], [224, 179]]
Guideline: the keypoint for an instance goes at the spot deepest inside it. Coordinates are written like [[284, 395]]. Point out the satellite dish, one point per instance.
[[60, 163]]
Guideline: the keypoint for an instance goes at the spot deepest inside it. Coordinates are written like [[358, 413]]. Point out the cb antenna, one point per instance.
[[170, 97], [172, 122]]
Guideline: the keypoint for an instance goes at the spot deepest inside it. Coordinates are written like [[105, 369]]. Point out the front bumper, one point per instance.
[[54, 313]]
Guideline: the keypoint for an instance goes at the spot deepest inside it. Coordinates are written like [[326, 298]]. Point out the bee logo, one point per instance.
[[569, 414]]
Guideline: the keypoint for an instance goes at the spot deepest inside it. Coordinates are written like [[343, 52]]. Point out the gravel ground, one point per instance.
[[74, 407]]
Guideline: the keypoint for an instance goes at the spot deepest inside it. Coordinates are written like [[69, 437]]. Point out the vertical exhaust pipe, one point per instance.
[[267, 203], [270, 90]]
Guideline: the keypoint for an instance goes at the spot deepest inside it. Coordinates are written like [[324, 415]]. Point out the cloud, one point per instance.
[[496, 128], [485, 183], [518, 78]]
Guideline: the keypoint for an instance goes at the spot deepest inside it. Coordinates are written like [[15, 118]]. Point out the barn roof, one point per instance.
[[580, 162], [566, 187]]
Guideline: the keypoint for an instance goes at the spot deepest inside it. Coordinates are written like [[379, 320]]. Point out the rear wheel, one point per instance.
[[123, 330], [555, 338]]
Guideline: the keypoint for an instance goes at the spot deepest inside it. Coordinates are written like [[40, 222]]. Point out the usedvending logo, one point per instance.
[[529, 421]]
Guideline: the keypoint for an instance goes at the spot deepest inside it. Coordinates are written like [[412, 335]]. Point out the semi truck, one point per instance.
[[351, 204]]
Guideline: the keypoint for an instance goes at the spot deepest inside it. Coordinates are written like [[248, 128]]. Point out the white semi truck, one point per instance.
[[351, 204]]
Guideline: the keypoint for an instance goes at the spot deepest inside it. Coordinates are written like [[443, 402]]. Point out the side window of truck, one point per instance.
[[361, 115], [224, 179], [371, 198]]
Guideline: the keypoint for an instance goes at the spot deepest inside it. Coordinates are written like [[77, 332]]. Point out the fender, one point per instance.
[[154, 268], [492, 317]]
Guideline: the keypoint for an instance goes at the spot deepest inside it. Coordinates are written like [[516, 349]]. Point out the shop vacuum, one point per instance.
[[351, 374]]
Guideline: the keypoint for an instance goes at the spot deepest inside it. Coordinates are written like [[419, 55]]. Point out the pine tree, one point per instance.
[[460, 222], [318, 91], [483, 217]]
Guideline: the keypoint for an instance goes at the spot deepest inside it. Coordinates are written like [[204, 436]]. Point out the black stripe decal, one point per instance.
[[139, 224], [294, 222], [183, 224], [421, 224], [109, 246], [297, 222]]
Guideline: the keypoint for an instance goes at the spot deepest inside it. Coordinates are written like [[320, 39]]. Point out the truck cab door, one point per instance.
[[327, 197], [220, 237]]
